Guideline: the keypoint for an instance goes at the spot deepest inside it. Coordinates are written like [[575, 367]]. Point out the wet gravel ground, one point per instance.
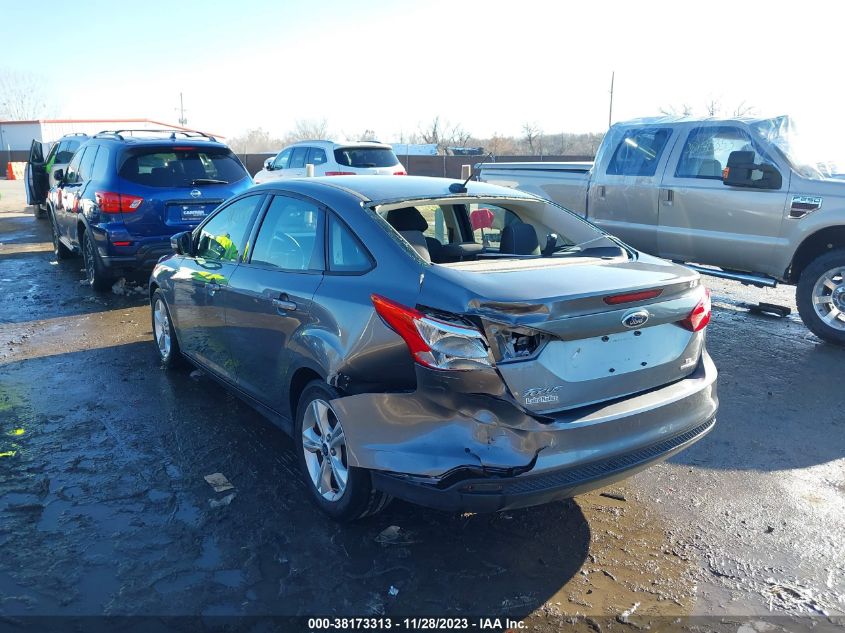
[[104, 508]]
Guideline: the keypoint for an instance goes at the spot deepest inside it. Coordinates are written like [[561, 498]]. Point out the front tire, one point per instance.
[[341, 491], [59, 249], [820, 296], [164, 334], [98, 277]]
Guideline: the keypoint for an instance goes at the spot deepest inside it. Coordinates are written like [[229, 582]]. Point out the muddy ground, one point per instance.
[[104, 508]]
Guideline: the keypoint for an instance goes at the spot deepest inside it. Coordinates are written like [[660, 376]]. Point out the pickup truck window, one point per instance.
[[707, 150], [639, 152]]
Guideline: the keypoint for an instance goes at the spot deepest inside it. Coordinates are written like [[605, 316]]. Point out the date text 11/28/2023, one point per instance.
[[413, 624]]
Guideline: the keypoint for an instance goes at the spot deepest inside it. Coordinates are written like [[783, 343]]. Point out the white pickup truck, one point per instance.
[[733, 195]]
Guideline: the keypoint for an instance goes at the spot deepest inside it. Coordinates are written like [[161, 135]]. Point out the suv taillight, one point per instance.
[[700, 315], [110, 202], [400, 173], [432, 342]]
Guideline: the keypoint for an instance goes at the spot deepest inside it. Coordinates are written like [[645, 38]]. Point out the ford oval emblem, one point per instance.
[[635, 319], [196, 193]]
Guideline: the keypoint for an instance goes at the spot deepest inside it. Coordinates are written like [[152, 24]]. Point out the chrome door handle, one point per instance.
[[283, 304], [668, 196], [213, 287]]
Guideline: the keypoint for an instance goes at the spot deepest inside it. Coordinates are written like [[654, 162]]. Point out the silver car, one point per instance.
[[463, 346]]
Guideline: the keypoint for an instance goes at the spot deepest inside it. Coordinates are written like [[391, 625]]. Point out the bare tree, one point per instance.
[[684, 109], [22, 96], [255, 141], [533, 136], [743, 109], [308, 130], [432, 132]]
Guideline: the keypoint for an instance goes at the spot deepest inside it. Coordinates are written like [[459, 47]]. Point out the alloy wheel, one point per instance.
[[324, 446], [88, 254], [161, 325], [829, 298]]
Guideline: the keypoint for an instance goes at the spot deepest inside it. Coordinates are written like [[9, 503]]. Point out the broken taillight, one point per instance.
[[432, 342], [700, 315]]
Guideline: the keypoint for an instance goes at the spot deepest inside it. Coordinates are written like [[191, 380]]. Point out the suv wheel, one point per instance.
[[163, 332], [59, 249], [821, 296], [98, 278], [343, 492]]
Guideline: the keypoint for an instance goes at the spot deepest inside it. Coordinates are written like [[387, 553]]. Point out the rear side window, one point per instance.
[[222, 237], [181, 167], [291, 236], [101, 164], [317, 156], [86, 165], [639, 152], [707, 150], [346, 253], [297, 158], [66, 151], [365, 157]]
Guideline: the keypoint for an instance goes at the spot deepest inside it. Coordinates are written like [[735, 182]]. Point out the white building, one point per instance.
[[17, 136]]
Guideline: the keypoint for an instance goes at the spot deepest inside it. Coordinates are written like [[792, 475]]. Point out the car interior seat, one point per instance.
[[519, 238], [412, 225]]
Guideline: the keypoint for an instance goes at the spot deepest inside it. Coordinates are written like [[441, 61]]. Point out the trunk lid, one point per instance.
[[557, 342]]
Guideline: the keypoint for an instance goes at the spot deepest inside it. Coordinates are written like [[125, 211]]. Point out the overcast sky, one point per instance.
[[391, 66]]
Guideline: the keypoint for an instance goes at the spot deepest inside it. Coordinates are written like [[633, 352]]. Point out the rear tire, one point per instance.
[[341, 491], [59, 249], [820, 296], [164, 334], [98, 277]]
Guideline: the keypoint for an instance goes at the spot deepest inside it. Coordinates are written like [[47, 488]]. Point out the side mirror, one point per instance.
[[58, 174], [742, 171], [182, 243], [268, 164]]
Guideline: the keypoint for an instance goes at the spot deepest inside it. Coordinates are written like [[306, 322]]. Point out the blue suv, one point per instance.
[[122, 197]]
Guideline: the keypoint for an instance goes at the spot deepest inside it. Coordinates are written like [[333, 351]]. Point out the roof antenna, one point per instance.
[[462, 188]]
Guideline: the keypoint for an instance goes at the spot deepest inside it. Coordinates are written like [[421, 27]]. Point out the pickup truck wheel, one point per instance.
[[821, 296], [343, 492], [98, 277], [59, 250]]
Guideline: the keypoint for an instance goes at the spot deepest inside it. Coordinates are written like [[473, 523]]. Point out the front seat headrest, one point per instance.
[[407, 219], [519, 238]]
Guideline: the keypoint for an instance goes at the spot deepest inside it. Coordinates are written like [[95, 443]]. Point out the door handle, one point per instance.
[[602, 191], [213, 287], [285, 304], [668, 196]]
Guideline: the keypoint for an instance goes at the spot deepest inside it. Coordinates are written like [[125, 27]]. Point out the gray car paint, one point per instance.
[[401, 417]]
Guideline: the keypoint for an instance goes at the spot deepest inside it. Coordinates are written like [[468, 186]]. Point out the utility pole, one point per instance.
[[610, 112], [182, 119]]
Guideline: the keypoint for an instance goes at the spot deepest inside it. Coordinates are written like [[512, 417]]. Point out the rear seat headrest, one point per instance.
[[407, 219]]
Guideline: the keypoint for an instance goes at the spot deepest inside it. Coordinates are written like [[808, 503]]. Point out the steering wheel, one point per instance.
[[286, 252]]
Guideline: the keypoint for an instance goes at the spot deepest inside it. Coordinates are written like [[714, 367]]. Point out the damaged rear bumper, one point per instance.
[[469, 452]]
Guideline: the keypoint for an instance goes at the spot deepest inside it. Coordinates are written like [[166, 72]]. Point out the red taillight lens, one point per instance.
[[340, 173], [400, 173], [434, 343], [110, 202], [631, 297], [700, 315], [121, 243]]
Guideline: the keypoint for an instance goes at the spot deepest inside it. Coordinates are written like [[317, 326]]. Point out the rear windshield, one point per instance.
[[182, 167], [365, 157]]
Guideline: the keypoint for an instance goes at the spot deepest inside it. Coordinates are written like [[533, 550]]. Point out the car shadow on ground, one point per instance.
[[105, 510]]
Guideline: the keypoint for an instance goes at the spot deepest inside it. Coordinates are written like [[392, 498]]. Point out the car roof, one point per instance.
[[138, 141], [335, 144], [385, 189]]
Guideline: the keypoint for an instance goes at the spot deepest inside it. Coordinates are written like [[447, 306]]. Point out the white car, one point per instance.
[[331, 159]]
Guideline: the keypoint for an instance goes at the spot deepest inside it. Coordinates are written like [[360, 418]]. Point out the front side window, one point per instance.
[[222, 237], [707, 150], [291, 236], [346, 253], [72, 173], [66, 150], [639, 152], [182, 167], [282, 160]]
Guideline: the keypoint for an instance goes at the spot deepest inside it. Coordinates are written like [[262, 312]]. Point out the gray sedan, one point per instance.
[[462, 346]]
